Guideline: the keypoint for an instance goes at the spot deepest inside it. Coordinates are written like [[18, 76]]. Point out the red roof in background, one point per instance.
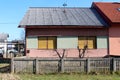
[[109, 10]]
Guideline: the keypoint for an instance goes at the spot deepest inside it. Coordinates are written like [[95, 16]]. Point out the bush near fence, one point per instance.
[[65, 65]]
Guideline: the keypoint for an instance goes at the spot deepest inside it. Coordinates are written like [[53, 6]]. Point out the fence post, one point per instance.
[[36, 66], [114, 64], [62, 65], [12, 65], [88, 65]]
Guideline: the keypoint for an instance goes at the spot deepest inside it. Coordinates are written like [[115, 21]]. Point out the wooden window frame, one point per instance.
[[87, 38], [47, 38]]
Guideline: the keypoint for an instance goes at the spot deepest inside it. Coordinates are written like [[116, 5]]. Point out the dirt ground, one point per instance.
[[9, 77]]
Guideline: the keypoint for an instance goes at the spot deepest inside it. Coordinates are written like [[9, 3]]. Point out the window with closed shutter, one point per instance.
[[51, 42], [89, 41], [42, 42], [81, 42], [47, 42]]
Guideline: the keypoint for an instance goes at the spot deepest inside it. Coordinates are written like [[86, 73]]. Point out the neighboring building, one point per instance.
[[50, 29], [3, 42], [111, 13]]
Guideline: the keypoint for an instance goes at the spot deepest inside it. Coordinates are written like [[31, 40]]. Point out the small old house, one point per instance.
[[74, 32], [3, 42]]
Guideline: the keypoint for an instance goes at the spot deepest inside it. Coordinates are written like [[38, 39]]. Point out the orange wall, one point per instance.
[[114, 40]]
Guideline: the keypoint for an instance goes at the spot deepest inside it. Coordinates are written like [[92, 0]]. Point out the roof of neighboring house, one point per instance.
[[3, 37], [111, 10], [37, 16]]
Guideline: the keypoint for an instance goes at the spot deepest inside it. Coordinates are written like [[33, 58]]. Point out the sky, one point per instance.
[[12, 12]]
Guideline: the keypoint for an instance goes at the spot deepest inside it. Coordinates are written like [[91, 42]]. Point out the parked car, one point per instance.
[[13, 51], [1, 53], [22, 51]]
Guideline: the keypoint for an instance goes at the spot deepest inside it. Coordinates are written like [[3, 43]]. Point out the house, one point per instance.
[[55, 32], [111, 14], [3, 42]]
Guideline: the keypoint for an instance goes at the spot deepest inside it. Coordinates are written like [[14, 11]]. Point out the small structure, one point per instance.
[[3, 42], [52, 30]]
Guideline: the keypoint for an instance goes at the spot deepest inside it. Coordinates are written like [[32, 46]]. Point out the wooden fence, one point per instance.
[[67, 65], [5, 65]]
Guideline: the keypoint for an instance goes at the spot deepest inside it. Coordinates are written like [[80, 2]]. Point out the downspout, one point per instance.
[[25, 42], [108, 43]]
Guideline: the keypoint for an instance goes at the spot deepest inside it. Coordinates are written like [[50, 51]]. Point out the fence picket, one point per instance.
[[88, 65], [114, 65], [36, 66], [12, 65]]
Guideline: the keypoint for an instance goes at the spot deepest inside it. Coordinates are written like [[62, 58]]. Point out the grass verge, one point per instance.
[[69, 77], [58, 77], [3, 65]]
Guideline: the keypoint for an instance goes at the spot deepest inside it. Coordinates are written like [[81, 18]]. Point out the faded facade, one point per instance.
[[67, 39]]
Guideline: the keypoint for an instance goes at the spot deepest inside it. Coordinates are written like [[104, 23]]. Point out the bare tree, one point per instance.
[[63, 54], [82, 54], [23, 35]]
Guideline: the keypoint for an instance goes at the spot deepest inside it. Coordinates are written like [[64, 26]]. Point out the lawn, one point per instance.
[[69, 77], [3, 65], [58, 77]]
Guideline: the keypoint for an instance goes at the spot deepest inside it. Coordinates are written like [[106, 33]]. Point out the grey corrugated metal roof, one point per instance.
[[57, 16]]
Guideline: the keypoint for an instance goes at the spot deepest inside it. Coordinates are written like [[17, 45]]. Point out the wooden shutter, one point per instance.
[[42, 42], [81, 42], [91, 42], [51, 42]]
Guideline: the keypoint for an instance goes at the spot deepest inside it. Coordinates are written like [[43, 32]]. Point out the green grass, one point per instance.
[[4, 76], [68, 77], [4, 65]]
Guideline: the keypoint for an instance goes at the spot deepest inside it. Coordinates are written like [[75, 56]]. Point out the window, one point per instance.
[[47, 42], [118, 9], [89, 41]]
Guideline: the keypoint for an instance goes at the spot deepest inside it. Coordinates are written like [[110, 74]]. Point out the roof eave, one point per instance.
[[21, 26], [63, 26]]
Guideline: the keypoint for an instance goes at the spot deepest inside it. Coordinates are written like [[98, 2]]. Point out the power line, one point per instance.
[[8, 23]]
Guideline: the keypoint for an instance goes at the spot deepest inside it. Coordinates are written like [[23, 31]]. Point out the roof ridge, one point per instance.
[[106, 2], [62, 7]]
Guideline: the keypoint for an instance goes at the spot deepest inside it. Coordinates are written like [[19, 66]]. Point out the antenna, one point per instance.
[[64, 5]]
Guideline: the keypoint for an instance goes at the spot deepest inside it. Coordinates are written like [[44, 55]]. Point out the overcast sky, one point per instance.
[[12, 11]]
